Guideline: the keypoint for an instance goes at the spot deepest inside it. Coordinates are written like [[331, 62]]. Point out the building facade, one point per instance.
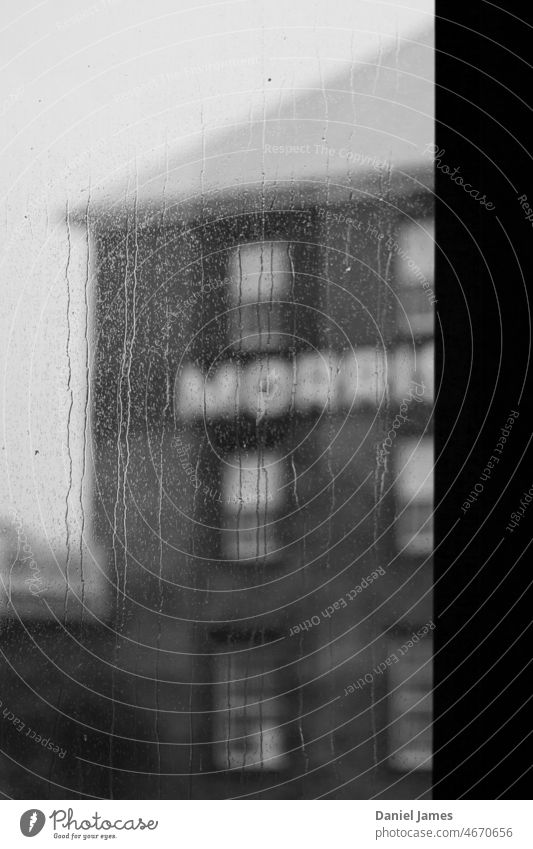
[[260, 436]]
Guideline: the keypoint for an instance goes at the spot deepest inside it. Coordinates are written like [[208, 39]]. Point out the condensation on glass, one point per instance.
[[249, 718], [253, 492], [410, 705], [261, 280], [414, 486]]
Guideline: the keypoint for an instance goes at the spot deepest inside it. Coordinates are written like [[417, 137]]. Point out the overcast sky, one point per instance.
[[79, 73], [84, 88]]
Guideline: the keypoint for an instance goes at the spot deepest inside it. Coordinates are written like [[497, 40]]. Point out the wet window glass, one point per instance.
[[410, 703], [414, 487], [219, 439]]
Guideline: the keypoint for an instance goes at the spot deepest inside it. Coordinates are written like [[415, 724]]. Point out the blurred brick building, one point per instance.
[[261, 391]]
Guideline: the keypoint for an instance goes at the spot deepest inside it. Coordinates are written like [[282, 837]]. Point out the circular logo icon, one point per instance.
[[31, 822]]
